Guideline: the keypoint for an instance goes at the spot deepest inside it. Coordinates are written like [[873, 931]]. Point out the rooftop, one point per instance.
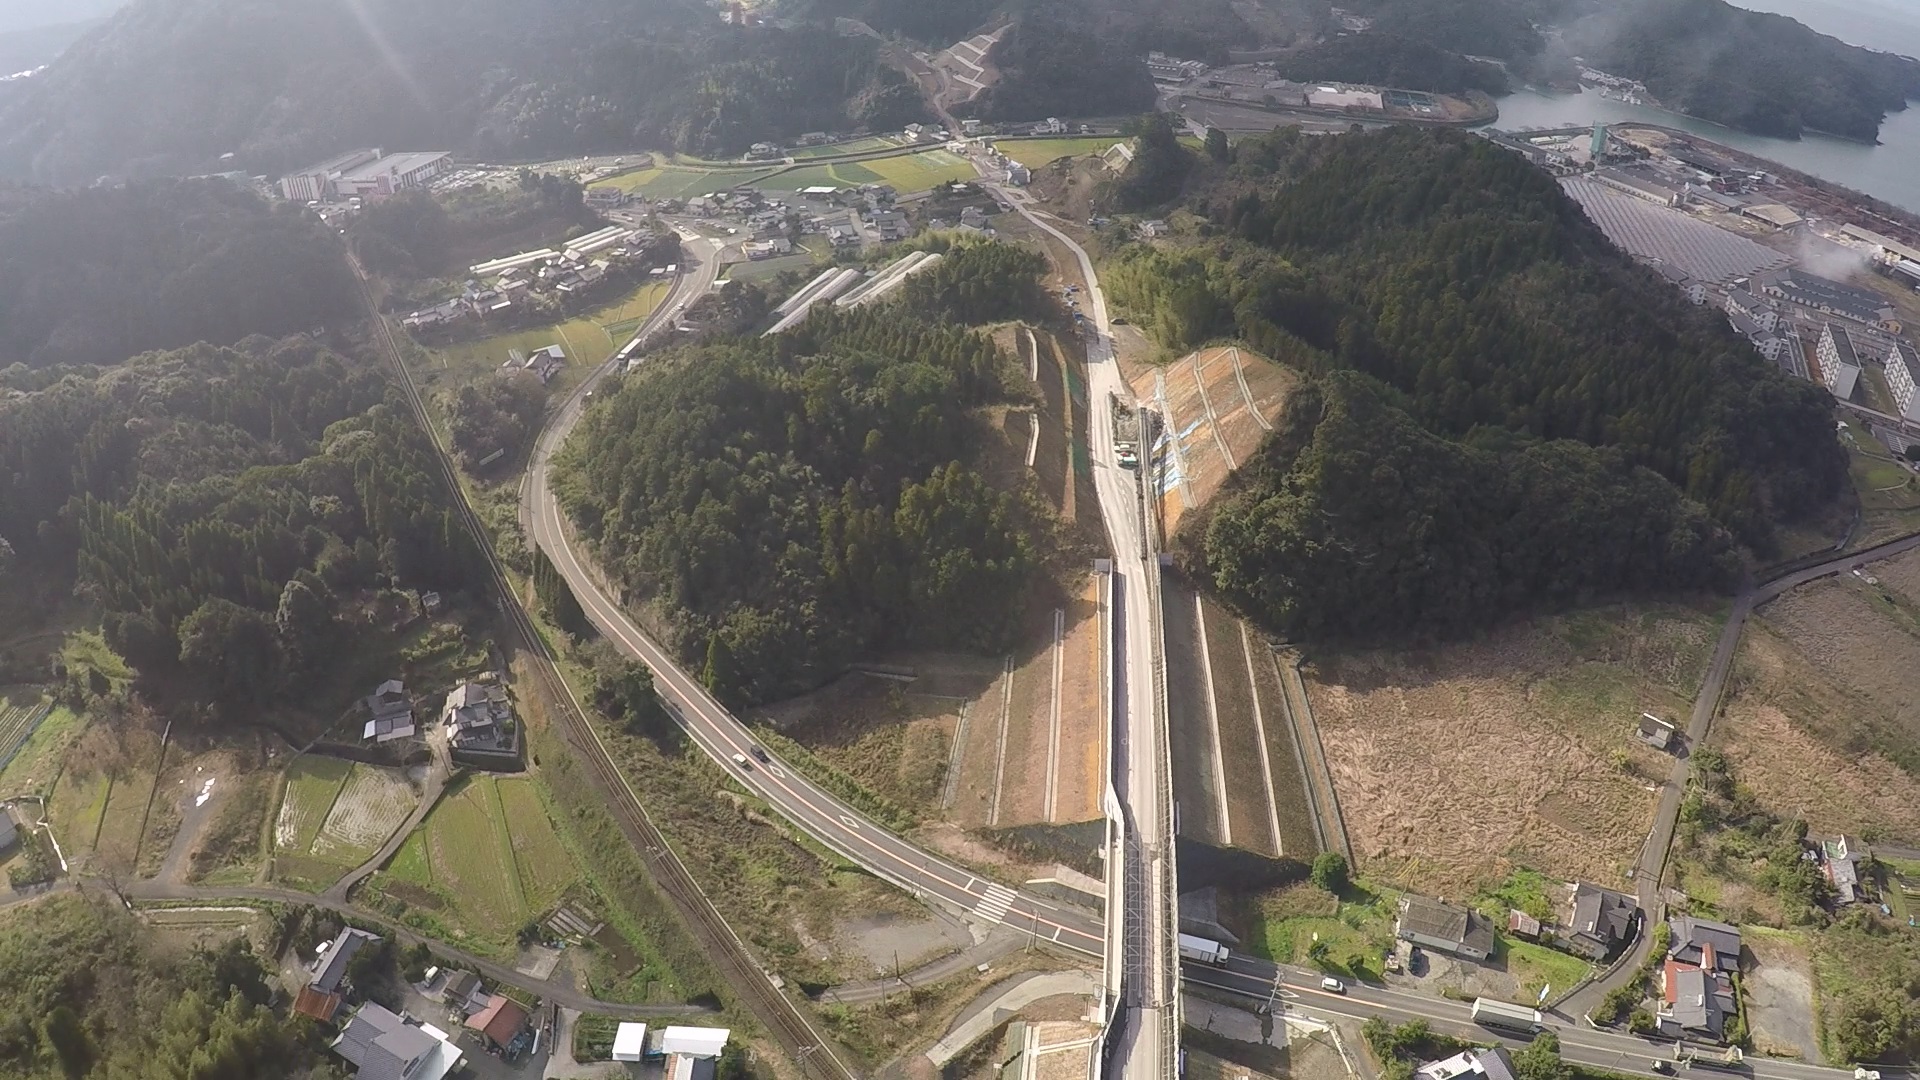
[[1842, 344], [396, 164]]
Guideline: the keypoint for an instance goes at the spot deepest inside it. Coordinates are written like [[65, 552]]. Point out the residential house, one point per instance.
[[1903, 380], [383, 1046], [1018, 175], [1154, 229], [1052, 125], [1656, 732], [322, 995], [1704, 943], [460, 990], [1599, 921], [1840, 860], [969, 128], [973, 217], [692, 1052], [1839, 365], [392, 713], [1694, 1001], [432, 603], [813, 138], [437, 315], [605, 197], [544, 363], [1492, 1063], [842, 235], [500, 1023], [477, 715], [916, 132], [1444, 927], [769, 249], [763, 150], [890, 224]]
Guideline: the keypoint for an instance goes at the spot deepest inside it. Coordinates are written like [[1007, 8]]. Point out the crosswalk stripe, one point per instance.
[[993, 907]]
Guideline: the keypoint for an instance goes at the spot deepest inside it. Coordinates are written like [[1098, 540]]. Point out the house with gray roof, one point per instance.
[[1599, 921], [384, 1046], [1704, 943], [1492, 1063], [330, 970], [1449, 928]]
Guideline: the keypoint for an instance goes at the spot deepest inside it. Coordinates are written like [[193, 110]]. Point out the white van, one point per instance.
[[1333, 986]]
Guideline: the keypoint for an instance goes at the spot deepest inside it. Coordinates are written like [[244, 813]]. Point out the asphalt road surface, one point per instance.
[[727, 741]]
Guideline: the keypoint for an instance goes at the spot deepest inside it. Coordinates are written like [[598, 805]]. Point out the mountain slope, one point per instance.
[[168, 86]]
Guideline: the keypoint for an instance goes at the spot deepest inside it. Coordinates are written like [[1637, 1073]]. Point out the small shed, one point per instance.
[[694, 1042], [1656, 732], [1522, 925], [629, 1042]]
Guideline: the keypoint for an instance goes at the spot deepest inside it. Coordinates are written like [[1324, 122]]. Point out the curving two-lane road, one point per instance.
[[821, 815]]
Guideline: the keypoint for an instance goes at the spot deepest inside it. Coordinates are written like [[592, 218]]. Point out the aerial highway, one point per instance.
[[728, 742], [1150, 991]]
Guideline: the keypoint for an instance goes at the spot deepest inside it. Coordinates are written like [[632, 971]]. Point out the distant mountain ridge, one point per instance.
[[168, 86]]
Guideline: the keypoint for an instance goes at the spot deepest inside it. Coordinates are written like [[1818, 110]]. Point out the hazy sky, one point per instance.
[[1888, 25]]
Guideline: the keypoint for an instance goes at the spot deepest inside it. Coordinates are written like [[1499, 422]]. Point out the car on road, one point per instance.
[[1127, 456], [1661, 1066], [1333, 986], [741, 760], [1118, 322], [760, 755]]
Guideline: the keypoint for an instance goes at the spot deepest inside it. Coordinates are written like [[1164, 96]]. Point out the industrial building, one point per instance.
[[366, 174], [1640, 187], [1903, 378], [1345, 97], [315, 184], [1839, 366], [1825, 296]]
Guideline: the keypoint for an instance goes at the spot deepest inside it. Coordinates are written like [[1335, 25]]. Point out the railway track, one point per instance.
[[754, 986]]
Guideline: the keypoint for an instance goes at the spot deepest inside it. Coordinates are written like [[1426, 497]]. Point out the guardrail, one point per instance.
[[1163, 774]]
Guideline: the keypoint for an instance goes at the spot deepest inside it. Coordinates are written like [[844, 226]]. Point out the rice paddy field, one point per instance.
[[1034, 153], [475, 873], [22, 709], [681, 182], [857, 146]]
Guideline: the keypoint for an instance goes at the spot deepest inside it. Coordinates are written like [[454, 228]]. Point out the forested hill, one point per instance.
[[1748, 70], [167, 86], [1756, 72], [786, 506], [218, 506], [1529, 418], [94, 276]]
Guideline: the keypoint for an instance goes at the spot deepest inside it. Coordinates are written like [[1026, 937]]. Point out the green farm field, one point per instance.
[[37, 762], [470, 856], [680, 182], [588, 339], [1033, 153], [312, 786], [75, 809], [857, 146]]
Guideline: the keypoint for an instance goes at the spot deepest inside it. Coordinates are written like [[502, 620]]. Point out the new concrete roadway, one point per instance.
[[1150, 993], [728, 742]]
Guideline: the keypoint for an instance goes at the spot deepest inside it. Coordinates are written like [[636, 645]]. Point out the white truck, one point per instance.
[[1205, 950], [1500, 1014]]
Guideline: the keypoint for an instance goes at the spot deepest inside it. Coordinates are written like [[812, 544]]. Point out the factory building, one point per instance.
[[1839, 367], [1903, 379], [315, 184], [365, 173]]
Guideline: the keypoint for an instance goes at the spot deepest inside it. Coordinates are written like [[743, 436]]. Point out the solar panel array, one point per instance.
[[1649, 231]]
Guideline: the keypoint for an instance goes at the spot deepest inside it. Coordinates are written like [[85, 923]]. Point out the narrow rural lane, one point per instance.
[[1653, 857]]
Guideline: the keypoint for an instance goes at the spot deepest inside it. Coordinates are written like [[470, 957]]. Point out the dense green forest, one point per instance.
[[791, 504], [1538, 402], [86, 990], [220, 505], [493, 78], [94, 276]]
